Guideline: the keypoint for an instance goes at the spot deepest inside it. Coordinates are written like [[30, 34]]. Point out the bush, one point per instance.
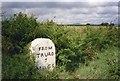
[[21, 67], [98, 39], [72, 46], [18, 29]]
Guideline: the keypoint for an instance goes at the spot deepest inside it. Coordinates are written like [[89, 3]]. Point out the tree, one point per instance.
[[88, 24], [104, 24], [112, 24]]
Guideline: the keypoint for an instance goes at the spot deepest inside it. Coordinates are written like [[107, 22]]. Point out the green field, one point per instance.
[[82, 52]]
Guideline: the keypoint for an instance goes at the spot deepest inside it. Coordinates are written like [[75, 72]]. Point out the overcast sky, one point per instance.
[[66, 12]]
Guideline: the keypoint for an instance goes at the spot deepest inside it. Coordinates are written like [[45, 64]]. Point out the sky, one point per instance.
[[92, 12]]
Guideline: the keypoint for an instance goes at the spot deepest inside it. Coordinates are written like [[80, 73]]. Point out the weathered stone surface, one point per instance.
[[44, 52]]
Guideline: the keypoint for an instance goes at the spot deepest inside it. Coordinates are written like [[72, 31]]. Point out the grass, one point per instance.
[[19, 67], [99, 68], [104, 66]]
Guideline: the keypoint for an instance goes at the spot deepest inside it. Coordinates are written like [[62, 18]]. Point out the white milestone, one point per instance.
[[44, 53]]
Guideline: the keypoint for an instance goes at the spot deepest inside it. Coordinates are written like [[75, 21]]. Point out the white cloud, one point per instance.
[[67, 13], [58, 0]]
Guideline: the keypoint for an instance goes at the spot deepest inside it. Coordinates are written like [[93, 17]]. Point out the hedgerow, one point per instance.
[[72, 47]]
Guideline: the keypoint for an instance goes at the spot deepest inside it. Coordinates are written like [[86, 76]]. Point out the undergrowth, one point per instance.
[[89, 52]]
